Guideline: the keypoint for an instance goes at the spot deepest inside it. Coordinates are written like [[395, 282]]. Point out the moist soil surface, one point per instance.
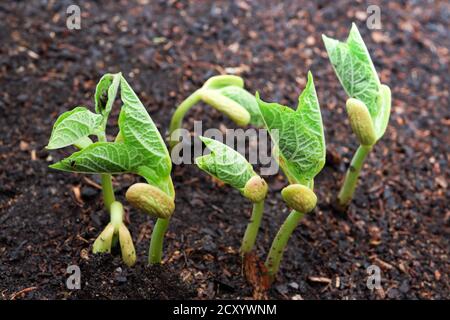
[[398, 221]]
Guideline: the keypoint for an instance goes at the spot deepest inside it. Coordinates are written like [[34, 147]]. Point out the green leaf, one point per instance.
[[139, 131], [309, 109], [105, 93], [72, 126], [246, 100], [354, 68], [225, 164], [297, 135], [384, 101], [102, 157]]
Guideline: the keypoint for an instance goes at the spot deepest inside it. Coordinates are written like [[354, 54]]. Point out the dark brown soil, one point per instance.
[[398, 221]]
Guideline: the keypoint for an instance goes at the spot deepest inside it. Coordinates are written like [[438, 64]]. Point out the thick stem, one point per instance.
[[116, 215], [351, 178], [107, 190], [116, 218], [279, 243], [177, 118], [156, 243], [252, 228], [107, 187]]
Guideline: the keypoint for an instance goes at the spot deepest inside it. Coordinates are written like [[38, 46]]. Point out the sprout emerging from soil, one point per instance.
[[229, 166], [116, 230], [299, 147], [138, 148], [368, 107], [226, 94]]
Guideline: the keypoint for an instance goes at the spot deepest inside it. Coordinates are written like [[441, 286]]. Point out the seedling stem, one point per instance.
[[252, 228], [351, 178]]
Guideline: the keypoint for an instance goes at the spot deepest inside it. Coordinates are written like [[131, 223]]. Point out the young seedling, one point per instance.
[[299, 147], [138, 148], [229, 166], [226, 94], [369, 105]]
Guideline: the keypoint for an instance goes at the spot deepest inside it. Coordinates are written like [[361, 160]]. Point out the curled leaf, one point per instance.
[[225, 164], [354, 68], [127, 246], [356, 72], [361, 122], [105, 93], [255, 189], [72, 126], [299, 198], [297, 135], [150, 200], [139, 131], [384, 101]]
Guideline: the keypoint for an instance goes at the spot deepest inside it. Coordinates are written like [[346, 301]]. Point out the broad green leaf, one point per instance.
[[297, 135], [354, 68], [105, 93], [139, 131], [225, 164], [246, 100], [309, 109], [73, 125], [384, 101], [102, 157]]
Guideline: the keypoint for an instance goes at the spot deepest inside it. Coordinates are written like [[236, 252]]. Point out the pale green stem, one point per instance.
[[116, 215], [156, 242], [107, 190], [107, 187], [351, 178], [252, 228], [116, 218], [177, 118], [279, 243]]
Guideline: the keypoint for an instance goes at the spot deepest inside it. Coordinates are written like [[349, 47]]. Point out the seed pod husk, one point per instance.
[[104, 240], [126, 246], [255, 189], [361, 122], [299, 197], [150, 200]]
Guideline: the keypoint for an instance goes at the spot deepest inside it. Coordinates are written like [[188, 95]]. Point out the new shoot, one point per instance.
[[368, 107], [232, 168], [299, 147], [224, 93], [138, 148]]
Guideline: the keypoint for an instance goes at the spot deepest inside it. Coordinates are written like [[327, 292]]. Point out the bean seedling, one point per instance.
[[226, 94], [368, 107], [138, 148], [299, 147], [230, 167]]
